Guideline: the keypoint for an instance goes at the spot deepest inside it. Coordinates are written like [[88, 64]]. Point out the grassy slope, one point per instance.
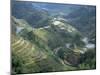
[[36, 46]]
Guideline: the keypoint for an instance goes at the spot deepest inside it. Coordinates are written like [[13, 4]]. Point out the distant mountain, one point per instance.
[[25, 10], [84, 19], [56, 9], [36, 14]]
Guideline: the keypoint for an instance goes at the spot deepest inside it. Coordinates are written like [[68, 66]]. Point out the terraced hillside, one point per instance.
[[45, 38], [55, 47], [33, 55], [25, 49]]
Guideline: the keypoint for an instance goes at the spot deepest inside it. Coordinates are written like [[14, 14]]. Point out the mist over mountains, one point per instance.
[[49, 37]]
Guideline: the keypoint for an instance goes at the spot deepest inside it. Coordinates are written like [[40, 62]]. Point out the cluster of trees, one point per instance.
[[81, 61], [88, 60], [17, 64]]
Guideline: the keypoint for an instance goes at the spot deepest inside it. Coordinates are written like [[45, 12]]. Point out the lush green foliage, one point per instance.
[[45, 43]]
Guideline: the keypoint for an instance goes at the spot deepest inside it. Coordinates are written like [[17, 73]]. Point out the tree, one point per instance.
[[17, 64]]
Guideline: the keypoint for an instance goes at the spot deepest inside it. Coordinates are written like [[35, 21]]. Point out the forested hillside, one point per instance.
[[44, 42]]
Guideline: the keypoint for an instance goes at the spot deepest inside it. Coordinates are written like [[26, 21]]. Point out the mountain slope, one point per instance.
[[47, 41], [84, 19], [25, 10], [58, 43], [34, 56]]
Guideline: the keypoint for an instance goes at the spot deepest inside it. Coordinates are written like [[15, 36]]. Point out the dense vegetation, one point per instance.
[[44, 42]]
